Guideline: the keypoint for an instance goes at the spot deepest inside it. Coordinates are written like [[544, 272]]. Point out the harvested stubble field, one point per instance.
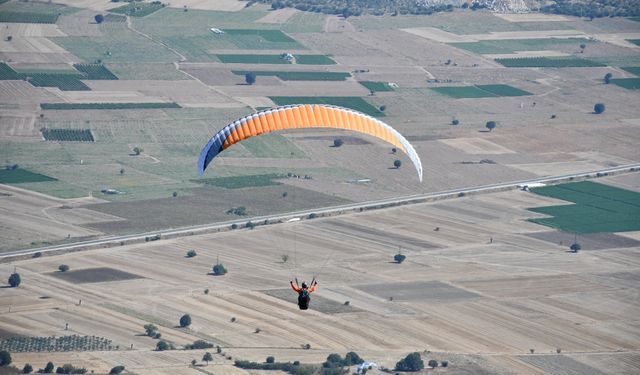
[[462, 294]]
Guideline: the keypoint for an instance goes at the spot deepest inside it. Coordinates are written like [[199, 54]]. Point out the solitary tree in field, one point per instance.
[[582, 47], [399, 258], [397, 164], [185, 320], [63, 268], [455, 121], [575, 247], [598, 108], [207, 357], [383, 108], [162, 345], [250, 78], [219, 270], [191, 253], [14, 280], [137, 150], [607, 78], [99, 18], [150, 329], [338, 142], [270, 359], [490, 125], [394, 150]]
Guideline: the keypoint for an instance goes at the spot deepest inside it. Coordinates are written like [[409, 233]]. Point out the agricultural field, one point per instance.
[[18, 176], [298, 76], [596, 208], [480, 91], [65, 82], [68, 135], [252, 59], [7, 73], [95, 71], [85, 106], [135, 71], [633, 70], [376, 86], [239, 182], [352, 102], [33, 12], [627, 83], [548, 62], [137, 9], [314, 60], [634, 41], [506, 46]]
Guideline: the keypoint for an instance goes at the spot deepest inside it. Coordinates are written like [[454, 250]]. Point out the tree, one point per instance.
[[5, 358], [219, 270], [250, 78], [99, 18], [607, 78], [284, 257], [191, 253], [63, 268], [270, 359], [162, 345], [185, 321], [116, 370], [582, 47], [48, 369], [383, 108], [444, 363], [598, 108], [150, 329], [394, 150], [432, 363], [455, 121], [397, 163], [352, 358], [575, 247], [121, 171], [27, 369], [490, 125], [193, 362], [14, 280], [137, 150], [175, 194], [399, 258], [411, 362], [338, 142], [207, 357], [9, 38]]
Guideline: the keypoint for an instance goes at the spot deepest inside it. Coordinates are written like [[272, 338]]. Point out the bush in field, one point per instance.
[[270, 359], [397, 163], [150, 329], [490, 125], [338, 142], [444, 363], [191, 253], [455, 121], [411, 362], [27, 369], [185, 321], [162, 345], [48, 369], [63, 268], [598, 108], [432, 363], [116, 370], [5, 358], [607, 78], [99, 18], [250, 78], [207, 357], [352, 358], [137, 150], [219, 270], [68, 368], [575, 247], [199, 344], [14, 280], [399, 258], [383, 108]]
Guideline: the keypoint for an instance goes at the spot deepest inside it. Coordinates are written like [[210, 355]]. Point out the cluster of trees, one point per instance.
[[594, 8], [5, 360], [413, 362], [335, 364], [348, 8], [199, 344], [293, 368]]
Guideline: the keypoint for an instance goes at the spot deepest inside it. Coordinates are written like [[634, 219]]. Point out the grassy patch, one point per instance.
[[239, 182], [19, 176], [376, 86], [303, 22], [548, 62], [464, 92], [95, 71], [634, 41], [633, 70], [503, 90], [64, 81], [299, 76], [598, 208], [109, 105], [252, 59], [33, 12], [353, 102], [26, 17], [137, 9], [514, 45], [7, 73], [272, 146], [627, 83], [274, 36], [314, 60], [109, 17], [68, 135]]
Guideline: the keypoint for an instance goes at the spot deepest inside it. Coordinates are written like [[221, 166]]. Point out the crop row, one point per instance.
[[548, 62], [72, 343], [69, 135]]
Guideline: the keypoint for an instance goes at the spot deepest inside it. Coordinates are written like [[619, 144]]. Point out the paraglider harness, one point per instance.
[[304, 295]]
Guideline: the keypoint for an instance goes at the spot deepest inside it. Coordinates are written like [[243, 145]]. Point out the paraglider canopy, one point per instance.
[[299, 116]]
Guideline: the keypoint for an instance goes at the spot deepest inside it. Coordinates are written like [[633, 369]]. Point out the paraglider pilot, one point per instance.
[[303, 293]]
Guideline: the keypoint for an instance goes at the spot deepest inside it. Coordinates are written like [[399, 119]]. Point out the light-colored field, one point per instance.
[[559, 168], [32, 30], [619, 39], [526, 293], [89, 4], [17, 125], [439, 35], [278, 16], [519, 54], [477, 146], [532, 17], [442, 36], [221, 5]]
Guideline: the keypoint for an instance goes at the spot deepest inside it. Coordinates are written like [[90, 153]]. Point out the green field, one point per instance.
[[314, 60], [64, 81], [598, 208], [273, 145], [353, 102], [627, 83], [252, 59], [376, 86], [19, 175], [161, 71], [634, 41], [84, 106], [633, 70], [114, 18], [515, 45], [137, 9], [25, 17], [68, 135], [32, 12], [548, 62], [503, 90], [95, 71], [464, 92], [274, 36], [7, 73], [239, 182], [299, 76]]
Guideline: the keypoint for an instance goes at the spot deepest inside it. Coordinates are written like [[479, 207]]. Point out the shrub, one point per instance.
[[444, 363], [48, 369], [352, 358], [411, 362], [455, 121], [150, 329], [199, 344], [607, 78], [14, 280], [397, 163], [598, 108], [490, 125], [185, 320], [338, 142], [174, 194], [116, 370], [99, 18], [162, 345], [250, 78], [191, 253], [432, 363], [399, 258], [575, 247], [157, 335], [219, 269], [63, 268], [5, 358], [270, 359], [234, 226], [383, 108], [37, 255], [137, 150], [207, 357], [27, 369]]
